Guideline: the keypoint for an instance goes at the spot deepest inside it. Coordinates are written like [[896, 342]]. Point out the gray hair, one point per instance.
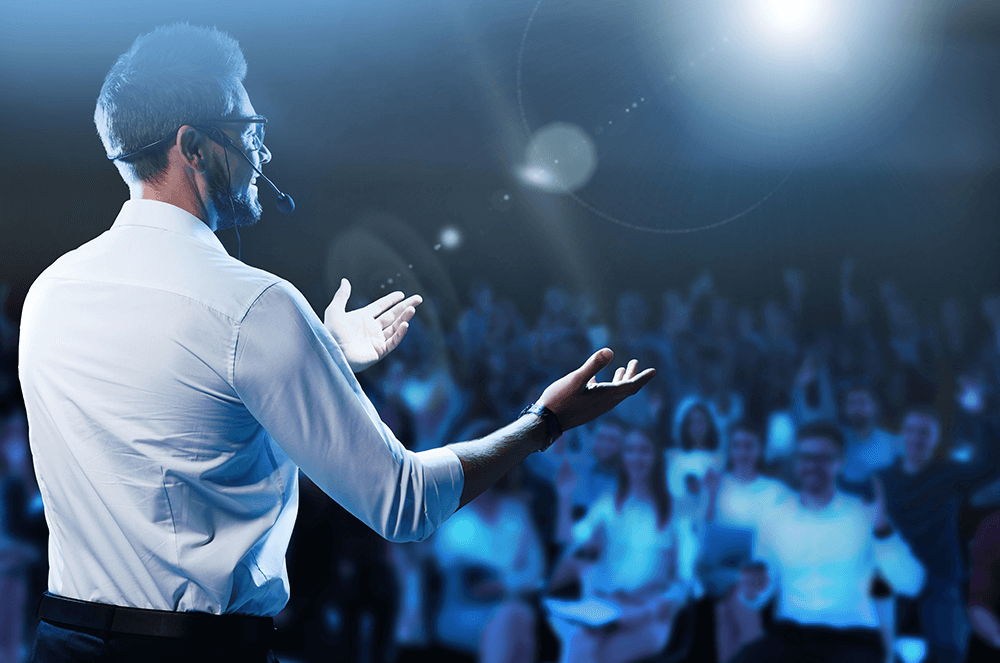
[[172, 76]]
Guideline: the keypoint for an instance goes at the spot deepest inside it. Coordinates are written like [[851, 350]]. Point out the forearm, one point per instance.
[[487, 459], [985, 624], [900, 567]]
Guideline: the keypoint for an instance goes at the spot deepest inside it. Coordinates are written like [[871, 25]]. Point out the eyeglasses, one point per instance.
[[257, 141], [259, 122]]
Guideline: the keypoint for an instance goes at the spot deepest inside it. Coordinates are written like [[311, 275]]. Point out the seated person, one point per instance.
[[492, 563], [739, 499], [624, 552]]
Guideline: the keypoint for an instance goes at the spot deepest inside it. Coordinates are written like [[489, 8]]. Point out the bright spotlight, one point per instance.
[[450, 237], [797, 20]]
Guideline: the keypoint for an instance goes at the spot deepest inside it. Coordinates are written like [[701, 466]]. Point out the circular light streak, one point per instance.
[[539, 176]]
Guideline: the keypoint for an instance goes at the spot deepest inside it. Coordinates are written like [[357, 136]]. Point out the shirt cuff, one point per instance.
[[444, 479]]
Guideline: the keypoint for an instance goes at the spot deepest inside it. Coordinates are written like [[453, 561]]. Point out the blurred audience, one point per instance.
[[662, 506]]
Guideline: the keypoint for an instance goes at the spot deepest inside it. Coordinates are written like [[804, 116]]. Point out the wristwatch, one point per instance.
[[550, 419]]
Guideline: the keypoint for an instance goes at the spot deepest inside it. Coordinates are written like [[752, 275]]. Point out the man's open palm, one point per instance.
[[369, 333]]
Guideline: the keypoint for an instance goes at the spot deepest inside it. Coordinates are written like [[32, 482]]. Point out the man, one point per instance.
[[819, 555], [924, 494], [868, 448], [173, 392]]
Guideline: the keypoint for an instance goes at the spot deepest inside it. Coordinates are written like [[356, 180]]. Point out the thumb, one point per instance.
[[597, 361], [342, 295]]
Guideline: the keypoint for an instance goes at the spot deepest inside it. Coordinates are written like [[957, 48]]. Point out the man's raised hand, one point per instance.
[[368, 334], [577, 397]]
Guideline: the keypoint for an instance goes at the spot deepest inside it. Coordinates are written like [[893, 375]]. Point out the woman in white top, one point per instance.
[[492, 561], [632, 545], [740, 498]]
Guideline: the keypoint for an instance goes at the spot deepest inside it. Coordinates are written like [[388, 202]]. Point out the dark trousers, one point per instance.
[[787, 642], [58, 644]]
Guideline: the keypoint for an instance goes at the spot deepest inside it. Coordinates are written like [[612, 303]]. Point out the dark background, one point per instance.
[[390, 120]]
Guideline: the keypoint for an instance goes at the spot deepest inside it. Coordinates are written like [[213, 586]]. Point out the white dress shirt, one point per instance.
[[172, 394], [821, 563]]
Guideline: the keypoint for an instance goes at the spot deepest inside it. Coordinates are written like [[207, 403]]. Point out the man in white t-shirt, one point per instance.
[[818, 556]]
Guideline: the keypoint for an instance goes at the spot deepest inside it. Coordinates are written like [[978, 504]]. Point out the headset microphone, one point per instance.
[[285, 204]]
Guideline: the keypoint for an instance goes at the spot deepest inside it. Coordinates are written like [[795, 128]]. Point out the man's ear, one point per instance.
[[193, 145]]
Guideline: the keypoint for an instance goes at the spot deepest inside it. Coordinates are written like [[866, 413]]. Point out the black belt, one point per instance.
[[159, 623]]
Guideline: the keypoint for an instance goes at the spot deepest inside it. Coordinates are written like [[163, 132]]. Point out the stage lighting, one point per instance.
[[792, 20]]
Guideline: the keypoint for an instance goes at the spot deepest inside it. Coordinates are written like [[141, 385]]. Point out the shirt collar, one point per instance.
[[164, 216]]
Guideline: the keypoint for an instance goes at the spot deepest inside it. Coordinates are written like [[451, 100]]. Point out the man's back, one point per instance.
[[161, 481]]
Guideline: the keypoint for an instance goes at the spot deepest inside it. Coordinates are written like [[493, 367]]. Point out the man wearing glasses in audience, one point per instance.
[[173, 392], [817, 557]]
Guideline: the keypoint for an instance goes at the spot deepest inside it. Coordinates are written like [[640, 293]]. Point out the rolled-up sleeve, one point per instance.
[[293, 378]]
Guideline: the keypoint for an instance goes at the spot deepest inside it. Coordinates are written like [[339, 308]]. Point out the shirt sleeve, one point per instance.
[[895, 560], [294, 379]]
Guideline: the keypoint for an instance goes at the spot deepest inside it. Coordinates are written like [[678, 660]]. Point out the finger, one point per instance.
[[397, 311], [394, 340], [619, 374], [403, 318], [630, 370], [340, 297], [639, 381], [594, 365], [382, 304]]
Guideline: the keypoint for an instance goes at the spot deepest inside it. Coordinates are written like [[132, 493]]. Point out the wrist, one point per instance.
[[550, 424]]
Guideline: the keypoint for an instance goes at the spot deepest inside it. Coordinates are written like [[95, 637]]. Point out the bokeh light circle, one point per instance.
[[537, 174]]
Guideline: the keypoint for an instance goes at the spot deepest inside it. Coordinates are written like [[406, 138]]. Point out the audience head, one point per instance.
[[819, 456], [860, 406], [633, 311], [714, 368], [746, 451], [921, 431], [482, 296], [606, 442], [556, 302], [643, 464], [698, 430]]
